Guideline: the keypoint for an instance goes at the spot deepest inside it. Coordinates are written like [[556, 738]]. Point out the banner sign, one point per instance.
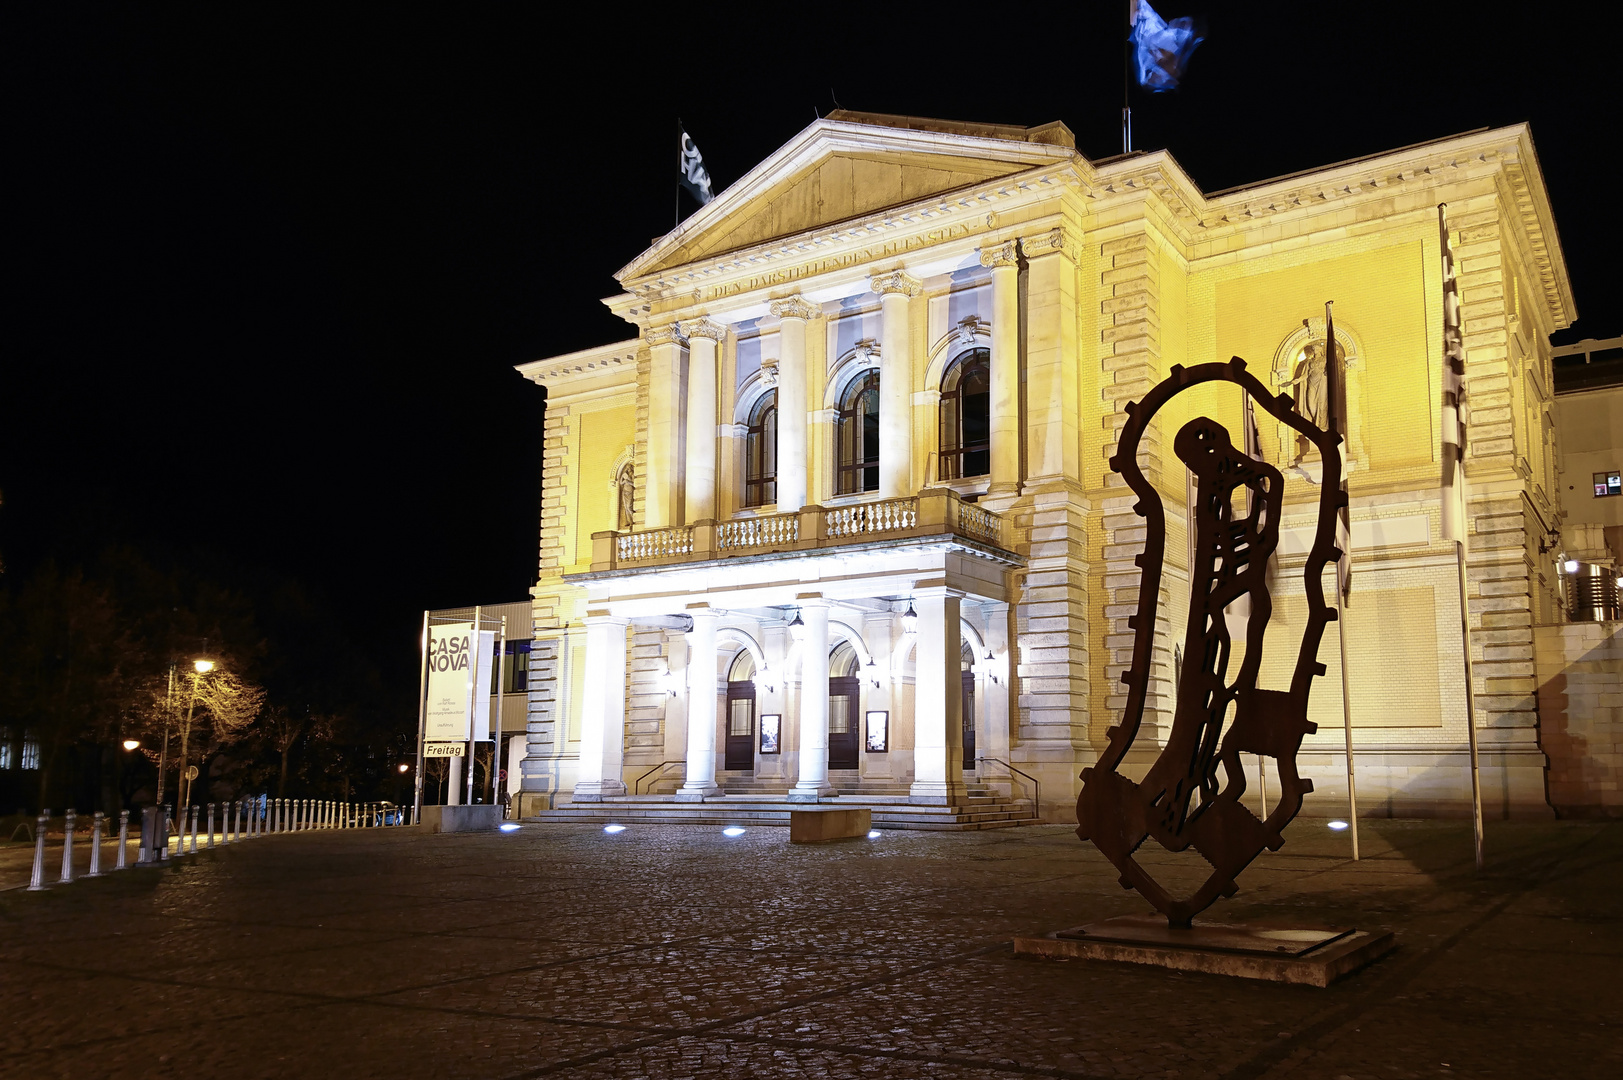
[[448, 715], [481, 697], [442, 749]]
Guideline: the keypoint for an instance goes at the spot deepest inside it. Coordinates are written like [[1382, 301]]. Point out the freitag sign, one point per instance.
[[449, 715]]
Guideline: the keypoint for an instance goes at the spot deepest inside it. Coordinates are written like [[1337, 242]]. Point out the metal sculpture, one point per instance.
[[1232, 548]]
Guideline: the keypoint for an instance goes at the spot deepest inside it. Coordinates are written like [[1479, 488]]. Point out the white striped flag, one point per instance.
[[1455, 412]]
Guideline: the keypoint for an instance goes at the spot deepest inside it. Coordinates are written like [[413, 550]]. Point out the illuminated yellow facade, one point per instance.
[[900, 250]]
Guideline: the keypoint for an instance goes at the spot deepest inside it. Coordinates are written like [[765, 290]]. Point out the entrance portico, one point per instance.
[[892, 594]]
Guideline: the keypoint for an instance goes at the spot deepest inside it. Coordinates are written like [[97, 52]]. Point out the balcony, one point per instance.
[[934, 512]]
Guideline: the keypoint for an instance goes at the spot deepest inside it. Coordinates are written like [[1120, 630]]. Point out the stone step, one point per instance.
[[736, 810]]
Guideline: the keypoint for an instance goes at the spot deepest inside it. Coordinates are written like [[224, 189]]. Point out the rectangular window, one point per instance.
[[516, 667], [1608, 483], [30, 751], [5, 748]]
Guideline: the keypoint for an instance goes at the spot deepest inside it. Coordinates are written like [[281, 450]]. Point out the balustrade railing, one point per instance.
[[888, 515], [928, 513], [773, 531], [978, 524], [654, 544]]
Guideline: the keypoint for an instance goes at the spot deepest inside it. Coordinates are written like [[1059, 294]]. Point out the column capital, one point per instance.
[[795, 307], [665, 335], [999, 254], [605, 619], [703, 327], [1044, 243], [897, 281]]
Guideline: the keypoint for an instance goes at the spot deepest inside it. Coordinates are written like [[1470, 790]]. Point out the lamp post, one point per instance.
[[183, 782]]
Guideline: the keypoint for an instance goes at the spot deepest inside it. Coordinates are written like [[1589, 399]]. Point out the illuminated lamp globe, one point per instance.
[[910, 619], [1570, 566], [405, 768], [132, 744], [797, 628], [203, 666]]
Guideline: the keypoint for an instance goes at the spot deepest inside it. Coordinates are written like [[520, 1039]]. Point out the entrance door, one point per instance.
[[740, 749], [843, 699], [740, 727]]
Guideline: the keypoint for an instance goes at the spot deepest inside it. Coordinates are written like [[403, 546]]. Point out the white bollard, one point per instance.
[[168, 831], [123, 838], [95, 845], [197, 812], [67, 850], [38, 881], [211, 826]]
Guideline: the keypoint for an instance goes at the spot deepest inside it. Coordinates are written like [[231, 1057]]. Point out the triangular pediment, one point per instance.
[[834, 171]]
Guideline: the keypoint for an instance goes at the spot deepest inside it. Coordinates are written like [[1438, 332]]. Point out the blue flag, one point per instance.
[[1161, 49]]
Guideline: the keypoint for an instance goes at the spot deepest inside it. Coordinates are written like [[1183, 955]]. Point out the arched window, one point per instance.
[[966, 409], [857, 436], [761, 452]]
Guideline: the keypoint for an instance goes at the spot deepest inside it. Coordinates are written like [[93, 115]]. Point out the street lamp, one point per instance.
[[132, 744], [203, 666], [183, 782]]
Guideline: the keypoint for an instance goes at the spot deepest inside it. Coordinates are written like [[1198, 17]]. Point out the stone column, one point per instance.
[[662, 493], [813, 781], [1005, 373], [895, 383], [701, 756], [938, 691], [700, 479], [792, 457], [603, 711]]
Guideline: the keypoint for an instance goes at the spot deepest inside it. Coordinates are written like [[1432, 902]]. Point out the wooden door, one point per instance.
[[844, 698], [740, 752]]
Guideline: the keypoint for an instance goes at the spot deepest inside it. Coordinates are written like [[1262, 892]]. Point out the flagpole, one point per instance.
[[676, 207], [1127, 83], [1470, 704], [1332, 395]]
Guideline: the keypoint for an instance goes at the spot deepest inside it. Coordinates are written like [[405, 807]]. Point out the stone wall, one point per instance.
[[1580, 704]]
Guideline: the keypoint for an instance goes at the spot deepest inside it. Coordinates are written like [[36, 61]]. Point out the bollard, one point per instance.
[[67, 849], [197, 812], [211, 826], [168, 826], [281, 816], [95, 844], [123, 838], [38, 881], [236, 821]]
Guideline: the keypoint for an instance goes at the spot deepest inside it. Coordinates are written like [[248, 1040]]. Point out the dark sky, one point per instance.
[[266, 272]]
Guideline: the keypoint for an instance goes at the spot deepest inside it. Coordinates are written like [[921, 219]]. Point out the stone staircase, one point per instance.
[[751, 802]]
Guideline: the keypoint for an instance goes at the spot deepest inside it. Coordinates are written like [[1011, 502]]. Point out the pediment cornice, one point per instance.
[[823, 139]]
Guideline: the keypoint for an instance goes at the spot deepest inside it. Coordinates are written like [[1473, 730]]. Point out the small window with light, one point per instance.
[[1608, 483]]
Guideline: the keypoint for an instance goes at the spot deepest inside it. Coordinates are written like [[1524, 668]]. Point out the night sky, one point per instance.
[[266, 273]]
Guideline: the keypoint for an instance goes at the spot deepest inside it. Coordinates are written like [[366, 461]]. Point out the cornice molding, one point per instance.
[[897, 281], [999, 254], [795, 307], [620, 357]]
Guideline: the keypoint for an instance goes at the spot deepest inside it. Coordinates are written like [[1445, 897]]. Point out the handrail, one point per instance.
[[1036, 788], [636, 785]]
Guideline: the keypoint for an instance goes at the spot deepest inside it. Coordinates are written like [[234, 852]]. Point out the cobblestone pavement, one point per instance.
[[673, 951]]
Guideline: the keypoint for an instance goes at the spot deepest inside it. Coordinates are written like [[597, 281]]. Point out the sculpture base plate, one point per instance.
[[1305, 956]]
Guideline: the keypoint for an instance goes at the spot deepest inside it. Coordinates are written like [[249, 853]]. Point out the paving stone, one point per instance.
[[671, 951]]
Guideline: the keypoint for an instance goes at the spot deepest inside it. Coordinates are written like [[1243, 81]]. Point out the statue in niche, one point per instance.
[[1183, 801], [1307, 386], [625, 485]]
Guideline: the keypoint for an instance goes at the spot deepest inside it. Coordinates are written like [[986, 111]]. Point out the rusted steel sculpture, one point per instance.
[[1234, 540]]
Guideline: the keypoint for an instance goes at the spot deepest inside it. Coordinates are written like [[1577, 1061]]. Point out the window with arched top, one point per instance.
[[857, 436], [966, 417], [761, 452]]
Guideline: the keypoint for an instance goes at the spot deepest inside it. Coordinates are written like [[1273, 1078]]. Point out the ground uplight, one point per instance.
[[732, 830], [1338, 825], [614, 828], [873, 834], [509, 826]]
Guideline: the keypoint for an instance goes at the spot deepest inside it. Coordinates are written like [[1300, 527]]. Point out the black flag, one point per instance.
[[691, 164], [1335, 399]]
